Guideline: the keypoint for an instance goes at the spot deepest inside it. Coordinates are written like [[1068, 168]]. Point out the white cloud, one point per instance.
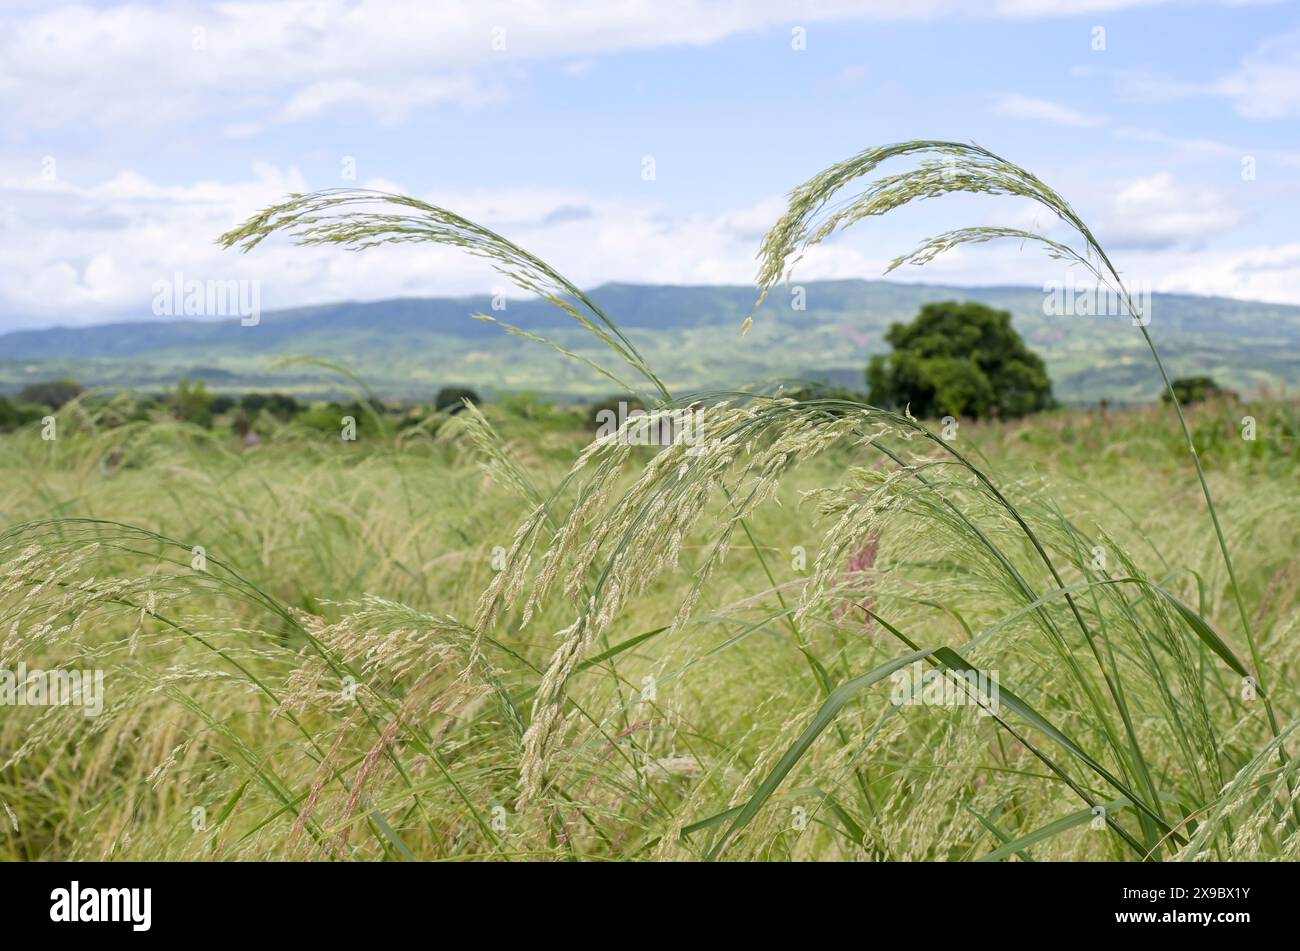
[[90, 253], [1026, 107], [390, 106], [1267, 84], [84, 254], [1261, 272], [1159, 212], [127, 66], [77, 250], [1212, 148]]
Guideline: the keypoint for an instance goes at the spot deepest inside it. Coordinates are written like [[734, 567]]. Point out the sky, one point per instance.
[[135, 133]]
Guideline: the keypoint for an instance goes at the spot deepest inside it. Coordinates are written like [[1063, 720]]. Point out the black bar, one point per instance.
[[342, 901]]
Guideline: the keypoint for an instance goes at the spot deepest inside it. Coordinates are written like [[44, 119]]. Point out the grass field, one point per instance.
[[307, 690], [815, 630]]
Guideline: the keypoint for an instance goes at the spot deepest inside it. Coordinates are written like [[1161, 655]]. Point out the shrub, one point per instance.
[[192, 402], [1196, 389], [53, 393]]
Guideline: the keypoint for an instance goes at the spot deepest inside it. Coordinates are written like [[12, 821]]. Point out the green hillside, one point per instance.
[[410, 347]]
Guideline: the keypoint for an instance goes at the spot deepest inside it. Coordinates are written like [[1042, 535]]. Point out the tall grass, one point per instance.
[[367, 664]]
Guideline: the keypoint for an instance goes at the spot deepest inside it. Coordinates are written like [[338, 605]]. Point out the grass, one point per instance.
[[503, 640]]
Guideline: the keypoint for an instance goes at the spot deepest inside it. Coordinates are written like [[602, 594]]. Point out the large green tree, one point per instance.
[[961, 360], [452, 398]]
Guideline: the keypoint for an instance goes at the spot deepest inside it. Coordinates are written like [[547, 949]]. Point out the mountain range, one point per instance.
[[410, 347]]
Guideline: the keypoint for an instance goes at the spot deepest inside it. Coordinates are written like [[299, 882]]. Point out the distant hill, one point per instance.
[[410, 347]]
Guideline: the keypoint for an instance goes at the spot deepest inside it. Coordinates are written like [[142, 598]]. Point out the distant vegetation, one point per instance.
[[54, 393], [961, 360], [689, 333], [13, 415], [193, 402], [597, 412], [262, 413], [453, 398], [35, 401], [1196, 389]]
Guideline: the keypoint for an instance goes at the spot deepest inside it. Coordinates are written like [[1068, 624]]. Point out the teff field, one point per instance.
[[816, 629]]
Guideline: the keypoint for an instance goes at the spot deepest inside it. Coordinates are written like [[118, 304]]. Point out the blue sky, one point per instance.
[[136, 133]]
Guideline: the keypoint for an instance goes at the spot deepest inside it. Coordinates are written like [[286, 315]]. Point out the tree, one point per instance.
[[613, 408], [192, 403], [450, 397], [962, 359], [1195, 389], [53, 393]]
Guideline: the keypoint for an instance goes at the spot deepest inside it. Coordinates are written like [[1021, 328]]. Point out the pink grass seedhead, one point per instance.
[[857, 566]]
